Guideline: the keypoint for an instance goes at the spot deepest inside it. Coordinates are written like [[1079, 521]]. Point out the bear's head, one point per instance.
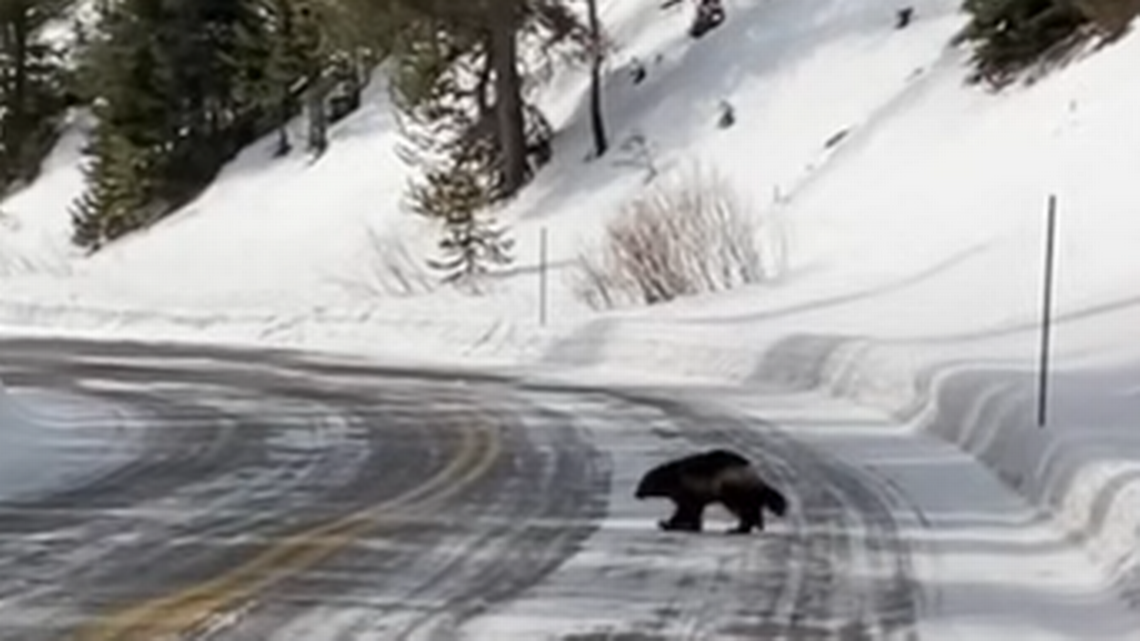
[[775, 501], [659, 483]]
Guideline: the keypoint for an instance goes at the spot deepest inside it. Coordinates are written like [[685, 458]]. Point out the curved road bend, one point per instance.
[[278, 496]]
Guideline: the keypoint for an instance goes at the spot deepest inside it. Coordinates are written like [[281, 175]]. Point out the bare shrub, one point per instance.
[[694, 237]]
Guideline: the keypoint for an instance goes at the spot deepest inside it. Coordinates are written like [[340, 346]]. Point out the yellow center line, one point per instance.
[[192, 608]]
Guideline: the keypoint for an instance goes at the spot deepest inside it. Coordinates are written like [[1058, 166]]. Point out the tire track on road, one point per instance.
[[262, 557], [841, 571], [190, 610], [630, 580], [486, 545], [128, 544], [431, 504], [93, 547], [563, 486]]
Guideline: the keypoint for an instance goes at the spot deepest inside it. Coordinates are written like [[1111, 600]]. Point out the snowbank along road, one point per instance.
[[279, 496]]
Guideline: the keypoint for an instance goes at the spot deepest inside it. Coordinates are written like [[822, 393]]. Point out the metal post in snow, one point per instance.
[[1047, 312], [542, 277]]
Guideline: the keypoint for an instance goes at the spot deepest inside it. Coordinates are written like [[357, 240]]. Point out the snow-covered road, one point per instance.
[[280, 496]]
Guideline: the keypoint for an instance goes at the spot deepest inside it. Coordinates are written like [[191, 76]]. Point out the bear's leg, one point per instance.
[[749, 512], [686, 518], [756, 519]]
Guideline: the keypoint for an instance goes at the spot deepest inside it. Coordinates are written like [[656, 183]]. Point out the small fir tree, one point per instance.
[[471, 243]]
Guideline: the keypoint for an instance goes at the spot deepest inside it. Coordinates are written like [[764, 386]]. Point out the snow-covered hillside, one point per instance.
[[915, 242], [295, 233]]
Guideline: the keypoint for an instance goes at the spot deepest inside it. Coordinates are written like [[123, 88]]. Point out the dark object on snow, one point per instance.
[[637, 71], [715, 476], [727, 115], [670, 3], [904, 16], [710, 13], [836, 138]]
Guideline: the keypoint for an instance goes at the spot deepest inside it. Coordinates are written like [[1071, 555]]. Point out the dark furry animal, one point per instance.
[[715, 476]]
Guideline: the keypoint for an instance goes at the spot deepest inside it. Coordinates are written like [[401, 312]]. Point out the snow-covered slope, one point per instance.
[[914, 274], [283, 233]]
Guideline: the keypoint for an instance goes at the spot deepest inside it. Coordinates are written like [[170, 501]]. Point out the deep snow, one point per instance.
[[912, 286]]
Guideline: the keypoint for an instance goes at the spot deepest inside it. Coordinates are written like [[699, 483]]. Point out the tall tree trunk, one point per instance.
[[281, 80], [315, 99], [597, 124], [283, 145], [15, 99], [483, 100], [20, 60], [508, 101]]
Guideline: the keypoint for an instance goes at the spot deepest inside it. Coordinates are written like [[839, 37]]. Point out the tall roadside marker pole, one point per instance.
[[1047, 312]]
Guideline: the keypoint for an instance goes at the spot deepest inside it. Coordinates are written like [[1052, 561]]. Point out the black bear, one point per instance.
[[714, 476]]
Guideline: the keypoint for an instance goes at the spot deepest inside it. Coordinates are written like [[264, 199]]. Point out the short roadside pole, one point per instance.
[[542, 277]]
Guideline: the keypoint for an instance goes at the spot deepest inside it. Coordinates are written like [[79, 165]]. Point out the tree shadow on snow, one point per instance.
[[898, 285]]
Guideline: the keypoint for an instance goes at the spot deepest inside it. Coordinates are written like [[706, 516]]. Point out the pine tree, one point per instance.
[[119, 190], [459, 76], [176, 90], [135, 124], [458, 81], [455, 195], [453, 192], [303, 52], [280, 53], [328, 38], [209, 48], [471, 243], [1013, 35], [32, 92]]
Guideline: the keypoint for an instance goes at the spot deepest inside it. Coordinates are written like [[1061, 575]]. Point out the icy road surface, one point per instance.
[[273, 495]]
